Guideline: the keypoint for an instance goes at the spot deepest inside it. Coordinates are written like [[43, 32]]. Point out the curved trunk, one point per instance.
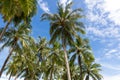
[[10, 76], [5, 28], [88, 75], [66, 60], [80, 65], [51, 74], [27, 73], [67, 64], [2, 69], [21, 71], [16, 77]]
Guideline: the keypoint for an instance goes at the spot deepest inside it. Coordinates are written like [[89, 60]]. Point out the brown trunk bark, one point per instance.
[[51, 74], [5, 28], [80, 65], [16, 77], [2, 69], [67, 63], [10, 76]]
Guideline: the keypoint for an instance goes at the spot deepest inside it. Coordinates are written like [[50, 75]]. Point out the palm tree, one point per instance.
[[14, 38], [22, 64], [54, 63], [15, 64], [30, 60], [91, 70], [78, 51], [42, 49], [16, 11], [30, 66], [64, 26]]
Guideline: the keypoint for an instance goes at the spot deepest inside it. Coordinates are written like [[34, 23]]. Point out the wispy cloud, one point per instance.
[[103, 19], [44, 6], [102, 9], [113, 7], [4, 77], [64, 2], [104, 32], [114, 77], [110, 66], [111, 52], [109, 71]]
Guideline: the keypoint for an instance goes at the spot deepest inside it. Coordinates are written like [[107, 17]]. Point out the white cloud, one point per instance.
[[115, 69], [114, 77], [105, 64], [113, 7], [102, 7], [103, 33], [4, 77], [107, 68], [64, 2], [44, 6], [103, 19], [110, 53], [110, 66], [95, 31]]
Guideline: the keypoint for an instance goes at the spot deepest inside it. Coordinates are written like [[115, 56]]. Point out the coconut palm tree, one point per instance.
[[90, 68], [78, 51], [15, 64], [91, 71], [54, 63], [23, 63], [42, 49], [31, 59], [30, 66], [16, 11], [15, 37], [64, 26]]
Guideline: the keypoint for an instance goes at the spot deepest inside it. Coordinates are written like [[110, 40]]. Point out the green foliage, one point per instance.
[[17, 9], [64, 24], [34, 59]]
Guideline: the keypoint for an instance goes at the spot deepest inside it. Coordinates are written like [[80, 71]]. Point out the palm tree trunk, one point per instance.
[[21, 71], [10, 76], [2, 69], [16, 77], [51, 74], [27, 73], [5, 28], [80, 65], [88, 76], [66, 59]]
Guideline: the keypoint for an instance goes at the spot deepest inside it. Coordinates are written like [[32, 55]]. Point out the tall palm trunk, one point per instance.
[[21, 71], [67, 63], [51, 74], [27, 73], [80, 65], [16, 77], [88, 76], [10, 76], [5, 28], [66, 59], [2, 69]]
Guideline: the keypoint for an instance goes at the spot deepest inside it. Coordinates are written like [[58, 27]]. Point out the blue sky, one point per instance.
[[102, 26]]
